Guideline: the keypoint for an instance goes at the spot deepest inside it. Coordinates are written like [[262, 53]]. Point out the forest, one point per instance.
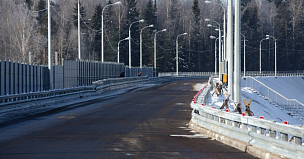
[[23, 31]]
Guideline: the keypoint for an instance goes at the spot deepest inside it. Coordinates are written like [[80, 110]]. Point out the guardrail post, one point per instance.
[[284, 137], [235, 124], [298, 140], [244, 126], [262, 131], [272, 134], [253, 128]]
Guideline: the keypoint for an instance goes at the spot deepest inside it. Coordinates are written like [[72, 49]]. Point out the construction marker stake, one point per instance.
[[213, 107], [243, 114], [285, 122], [261, 117], [227, 110]]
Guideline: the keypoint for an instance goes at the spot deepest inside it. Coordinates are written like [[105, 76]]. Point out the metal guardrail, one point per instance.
[[248, 73], [185, 74], [113, 81], [274, 96], [272, 73], [35, 96], [277, 138]]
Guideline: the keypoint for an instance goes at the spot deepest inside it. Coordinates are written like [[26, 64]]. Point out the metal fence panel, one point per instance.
[[2, 78]]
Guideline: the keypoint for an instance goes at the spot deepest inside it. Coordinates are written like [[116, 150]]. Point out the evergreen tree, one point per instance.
[[82, 15], [111, 34], [132, 16], [29, 4], [96, 25], [282, 33], [42, 18], [251, 29], [150, 18], [196, 45]]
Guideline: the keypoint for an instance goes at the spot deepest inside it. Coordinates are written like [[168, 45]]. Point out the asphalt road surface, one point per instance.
[[145, 123]]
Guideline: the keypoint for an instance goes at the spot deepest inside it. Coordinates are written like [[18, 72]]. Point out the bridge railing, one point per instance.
[[273, 96], [41, 95], [185, 74], [246, 132], [272, 73]]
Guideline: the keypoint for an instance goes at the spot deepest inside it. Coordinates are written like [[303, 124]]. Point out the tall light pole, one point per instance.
[[244, 55], [155, 49], [230, 48], [50, 46], [224, 26], [118, 47], [140, 21], [220, 41], [176, 42], [261, 55], [79, 34], [102, 46], [275, 53], [215, 64], [237, 52], [140, 55]]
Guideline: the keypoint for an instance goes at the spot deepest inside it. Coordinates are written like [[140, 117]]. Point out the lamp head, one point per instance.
[[207, 2], [209, 25], [267, 36], [212, 37], [141, 21], [185, 33], [216, 29], [128, 38], [164, 30], [207, 20], [119, 2], [150, 26]]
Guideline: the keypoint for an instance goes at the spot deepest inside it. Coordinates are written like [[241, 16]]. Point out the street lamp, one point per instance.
[[150, 26], [118, 47], [261, 55], [244, 55], [155, 49], [275, 53], [102, 47], [177, 52], [139, 21], [224, 26], [215, 65], [220, 41]]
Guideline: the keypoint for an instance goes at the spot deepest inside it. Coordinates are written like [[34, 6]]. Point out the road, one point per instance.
[[145, 123]]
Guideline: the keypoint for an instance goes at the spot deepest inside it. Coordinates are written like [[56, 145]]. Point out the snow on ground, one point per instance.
[[260, 106], [290, 87], [198, 86]]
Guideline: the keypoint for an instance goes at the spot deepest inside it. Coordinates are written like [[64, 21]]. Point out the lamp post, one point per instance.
[[102, 46], [140, 55], [244, 55], [224, 26], [155, 49], [215, 48], [139, 21], [79, 34], [177, 52], [220, 41], [261, 55], [275, 53], [50, 46], [118, 47]]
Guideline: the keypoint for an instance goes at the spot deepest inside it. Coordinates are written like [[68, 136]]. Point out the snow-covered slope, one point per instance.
[[290, 87], [262, 107]]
